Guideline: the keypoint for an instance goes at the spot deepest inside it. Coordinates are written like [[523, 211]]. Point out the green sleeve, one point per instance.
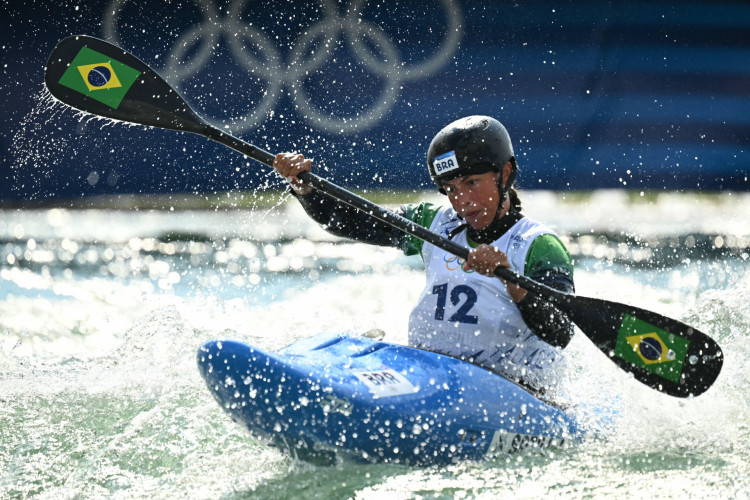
[[422, 214], [548, 254]]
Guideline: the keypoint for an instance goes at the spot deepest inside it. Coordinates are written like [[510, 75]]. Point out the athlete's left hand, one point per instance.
[[485, 259]]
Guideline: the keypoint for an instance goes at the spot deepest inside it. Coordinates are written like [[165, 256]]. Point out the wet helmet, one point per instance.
[[469, 146]]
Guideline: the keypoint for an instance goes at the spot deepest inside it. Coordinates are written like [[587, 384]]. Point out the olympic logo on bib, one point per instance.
[[453, 263], [304, 58]]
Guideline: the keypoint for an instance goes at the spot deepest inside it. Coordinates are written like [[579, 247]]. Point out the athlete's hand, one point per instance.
[[290, 165], [485, 259]]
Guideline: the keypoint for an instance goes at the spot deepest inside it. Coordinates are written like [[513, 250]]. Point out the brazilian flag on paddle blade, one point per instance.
[[656, 350], [99, 77]]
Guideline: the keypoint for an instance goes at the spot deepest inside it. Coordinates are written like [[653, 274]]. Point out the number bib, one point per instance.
[[467, 315]]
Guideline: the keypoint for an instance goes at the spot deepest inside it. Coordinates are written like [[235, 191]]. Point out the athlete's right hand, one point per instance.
[[290, 165], [484, 259]]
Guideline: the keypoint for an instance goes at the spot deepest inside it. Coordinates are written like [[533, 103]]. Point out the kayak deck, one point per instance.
[[335, 394]]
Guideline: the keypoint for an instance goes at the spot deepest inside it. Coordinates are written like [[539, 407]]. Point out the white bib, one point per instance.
[[471, 316]]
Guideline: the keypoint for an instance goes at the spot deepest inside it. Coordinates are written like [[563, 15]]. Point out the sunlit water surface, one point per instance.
[[101, 313]]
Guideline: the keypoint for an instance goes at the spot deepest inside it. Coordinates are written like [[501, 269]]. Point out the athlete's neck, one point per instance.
[[500, 225]]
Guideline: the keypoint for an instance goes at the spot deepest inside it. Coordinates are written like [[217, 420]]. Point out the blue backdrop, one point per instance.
[[595, 94]]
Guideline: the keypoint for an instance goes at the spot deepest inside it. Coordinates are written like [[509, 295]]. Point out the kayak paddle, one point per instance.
[[99, 78]]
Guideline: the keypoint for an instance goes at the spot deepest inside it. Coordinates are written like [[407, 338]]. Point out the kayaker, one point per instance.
[[465, 311]]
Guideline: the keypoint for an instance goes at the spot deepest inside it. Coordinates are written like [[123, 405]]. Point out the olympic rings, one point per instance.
[[305, 57], [453, 263]]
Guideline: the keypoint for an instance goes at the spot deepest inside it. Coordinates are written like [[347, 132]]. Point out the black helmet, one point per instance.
[[471, 145]]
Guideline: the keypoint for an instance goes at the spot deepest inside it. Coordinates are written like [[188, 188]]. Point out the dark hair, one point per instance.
[[515, 201]]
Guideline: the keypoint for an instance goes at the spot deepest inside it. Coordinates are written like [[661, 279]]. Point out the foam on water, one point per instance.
[[100, 396]]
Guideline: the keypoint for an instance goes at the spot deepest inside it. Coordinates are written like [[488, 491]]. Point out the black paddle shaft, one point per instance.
[[381, 213], [665, 354]]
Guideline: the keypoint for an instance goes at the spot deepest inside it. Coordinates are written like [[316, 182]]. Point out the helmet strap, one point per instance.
[[503, 188]]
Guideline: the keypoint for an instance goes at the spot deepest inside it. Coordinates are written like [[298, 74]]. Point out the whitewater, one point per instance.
[[102, 312]]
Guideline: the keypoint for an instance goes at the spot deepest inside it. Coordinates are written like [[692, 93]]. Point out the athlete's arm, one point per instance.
[[336, 217], [345, 221], [549, 263]]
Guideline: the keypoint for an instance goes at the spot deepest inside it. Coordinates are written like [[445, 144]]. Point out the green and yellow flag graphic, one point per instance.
[[99, 77], [652, 348]]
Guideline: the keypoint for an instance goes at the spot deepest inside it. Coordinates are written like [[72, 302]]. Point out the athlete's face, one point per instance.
[[475, 197]]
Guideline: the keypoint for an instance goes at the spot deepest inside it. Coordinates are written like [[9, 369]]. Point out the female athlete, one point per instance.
[[465, 311]]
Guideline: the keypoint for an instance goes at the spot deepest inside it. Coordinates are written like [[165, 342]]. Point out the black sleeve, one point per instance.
[[343, 220], [544, 319]]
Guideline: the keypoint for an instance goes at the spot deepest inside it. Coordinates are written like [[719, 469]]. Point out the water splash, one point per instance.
[[100, 395]]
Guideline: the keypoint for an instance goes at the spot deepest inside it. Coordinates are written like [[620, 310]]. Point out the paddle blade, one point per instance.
[[663, 353], [97, 77]]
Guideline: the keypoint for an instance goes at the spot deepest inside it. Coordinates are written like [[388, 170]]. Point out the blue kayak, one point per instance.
[[342, 396]]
